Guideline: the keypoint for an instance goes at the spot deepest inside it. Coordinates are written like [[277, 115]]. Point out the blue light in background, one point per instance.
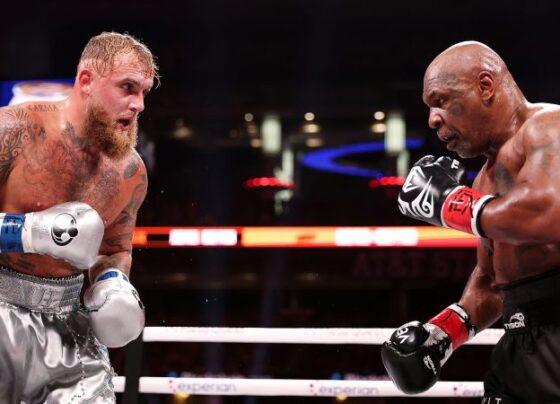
[[324, 159]]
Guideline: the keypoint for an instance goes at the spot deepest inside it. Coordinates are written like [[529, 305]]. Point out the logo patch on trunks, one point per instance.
[[516, 321]]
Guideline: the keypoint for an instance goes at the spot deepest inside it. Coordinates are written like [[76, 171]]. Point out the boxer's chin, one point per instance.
[[107, 136]]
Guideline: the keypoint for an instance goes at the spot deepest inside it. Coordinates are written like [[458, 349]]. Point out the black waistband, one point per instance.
[[532, 302]]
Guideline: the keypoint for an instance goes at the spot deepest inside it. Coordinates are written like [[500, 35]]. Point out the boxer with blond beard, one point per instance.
[[71, 185]]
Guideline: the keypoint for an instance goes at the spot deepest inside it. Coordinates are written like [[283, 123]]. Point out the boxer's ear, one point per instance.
[[85, 80], [486, 87]]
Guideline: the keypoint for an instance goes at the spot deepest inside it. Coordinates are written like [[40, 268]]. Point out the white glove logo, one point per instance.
[[402, 334], [64, 229], [408, 185], [423, 204], [430, 364]]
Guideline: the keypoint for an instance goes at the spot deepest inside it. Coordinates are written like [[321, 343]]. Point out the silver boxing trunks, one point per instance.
[[48, 353]]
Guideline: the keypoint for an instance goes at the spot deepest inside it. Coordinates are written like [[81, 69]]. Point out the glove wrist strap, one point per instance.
[[462, 208], [455, 321], [11, 233], [111, 273]]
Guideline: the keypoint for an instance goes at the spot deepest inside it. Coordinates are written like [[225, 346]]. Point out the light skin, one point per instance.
[[477, 109], [47, 157]]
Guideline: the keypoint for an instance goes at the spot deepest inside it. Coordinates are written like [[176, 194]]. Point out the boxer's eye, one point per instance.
[[128, 87]]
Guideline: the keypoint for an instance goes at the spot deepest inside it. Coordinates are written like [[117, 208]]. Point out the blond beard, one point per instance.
[[101, 132]]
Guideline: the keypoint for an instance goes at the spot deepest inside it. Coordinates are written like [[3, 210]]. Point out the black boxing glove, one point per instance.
[[415, 353], [432, 192]]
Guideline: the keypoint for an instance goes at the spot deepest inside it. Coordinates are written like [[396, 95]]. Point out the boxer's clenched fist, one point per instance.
[[415, 353], [71, 231]]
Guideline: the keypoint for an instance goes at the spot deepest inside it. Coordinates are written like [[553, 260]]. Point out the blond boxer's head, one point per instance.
[[115, 73], [106, 51]]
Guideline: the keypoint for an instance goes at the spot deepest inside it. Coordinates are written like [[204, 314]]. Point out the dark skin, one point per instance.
[[477, 109], [45, 159]]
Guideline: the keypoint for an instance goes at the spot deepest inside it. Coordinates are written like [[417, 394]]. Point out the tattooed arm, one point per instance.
[[120, 319], [529, 212], [116, 248], [16, 129]]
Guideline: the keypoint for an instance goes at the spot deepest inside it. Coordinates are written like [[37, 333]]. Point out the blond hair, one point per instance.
[[101, 53]]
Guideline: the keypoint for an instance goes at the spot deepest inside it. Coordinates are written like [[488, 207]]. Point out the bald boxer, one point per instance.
[[513, 207], [71, 185]]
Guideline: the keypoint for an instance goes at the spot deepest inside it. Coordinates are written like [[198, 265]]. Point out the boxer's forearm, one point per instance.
[[481, 299], [121, 260], [523, 215]]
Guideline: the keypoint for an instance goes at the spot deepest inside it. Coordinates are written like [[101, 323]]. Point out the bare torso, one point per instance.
[[43, 162], [514, 262]]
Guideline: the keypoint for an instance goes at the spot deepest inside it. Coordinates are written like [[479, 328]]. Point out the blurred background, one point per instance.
[[287, 113]]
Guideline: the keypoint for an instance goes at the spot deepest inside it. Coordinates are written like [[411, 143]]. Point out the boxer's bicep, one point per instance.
[[527, 209], [541, 149], [118, 235]]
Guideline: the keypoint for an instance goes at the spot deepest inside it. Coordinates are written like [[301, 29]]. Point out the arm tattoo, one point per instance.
[[120, 241], [503, 179], [128, 214], [119, 260], [16, 128], [131, 168], [42, 108], [122, 230]]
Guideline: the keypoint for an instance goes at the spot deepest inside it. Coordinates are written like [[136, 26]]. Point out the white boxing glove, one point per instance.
[[116, 312], [71, 231]]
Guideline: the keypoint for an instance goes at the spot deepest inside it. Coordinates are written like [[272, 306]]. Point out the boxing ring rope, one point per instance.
[[291, 237], [367, 336], [295, 387], [291, 387]]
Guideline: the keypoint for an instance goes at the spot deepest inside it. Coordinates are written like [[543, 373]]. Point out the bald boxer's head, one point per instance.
[[115, 73], [465, 87]]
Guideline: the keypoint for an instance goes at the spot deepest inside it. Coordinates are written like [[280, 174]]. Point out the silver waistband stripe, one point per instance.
[[47, 295]]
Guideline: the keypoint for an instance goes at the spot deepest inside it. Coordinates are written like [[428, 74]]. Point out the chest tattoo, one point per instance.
[[67, 169], [131, 168]]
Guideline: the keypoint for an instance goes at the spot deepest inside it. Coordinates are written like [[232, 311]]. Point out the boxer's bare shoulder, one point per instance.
[[17, 129], [536, 147]]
